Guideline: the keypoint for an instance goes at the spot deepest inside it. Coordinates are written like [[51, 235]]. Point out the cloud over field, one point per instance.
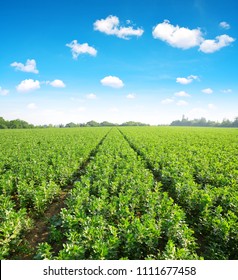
[[178, 37], [188, 80], [185, 38], [28, 85], [78, 49], [57, 84], [112, 81], [224, 25], [111, 26], [182, 94], [29, 67], [207, 90], [210, 46]]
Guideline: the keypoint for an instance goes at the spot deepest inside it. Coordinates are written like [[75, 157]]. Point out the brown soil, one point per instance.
[[41, 230]]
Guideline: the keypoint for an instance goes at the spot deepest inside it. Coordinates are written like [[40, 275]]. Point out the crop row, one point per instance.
[[118, 211], [34, 166], [199, 169]]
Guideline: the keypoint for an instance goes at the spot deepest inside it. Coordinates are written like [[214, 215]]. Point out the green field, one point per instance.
[[119, 193]]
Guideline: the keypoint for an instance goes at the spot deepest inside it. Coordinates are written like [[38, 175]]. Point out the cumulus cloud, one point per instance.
[[188, 80], [91, 96], [182, 103], [78, 49], [29, 67], [28, 85], [185, 38], [112, 81], [210, 46], [224, 25], [3, 91], [182, 94], [57, 84], [207, 90], [111, 26], [131, 96], [167, 101], [178, 37]]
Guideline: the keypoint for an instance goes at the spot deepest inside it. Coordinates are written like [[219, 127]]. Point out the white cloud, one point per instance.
[[111, 26], [184, 38], [57, 84], [78, 49], [29, 67], [31, 106], [207, 90], [179, 37], [188, 80], [112, 81], [182, 103], [28, 85], [91, 96], [131, 96], [210, 46], [224, 25], [167, 101], [3, 91], [182, 94]]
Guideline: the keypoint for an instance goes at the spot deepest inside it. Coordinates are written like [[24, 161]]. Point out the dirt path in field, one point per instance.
[[41, 230]]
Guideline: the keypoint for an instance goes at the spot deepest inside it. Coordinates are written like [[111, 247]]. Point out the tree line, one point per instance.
[[18, 124], [205, 123]]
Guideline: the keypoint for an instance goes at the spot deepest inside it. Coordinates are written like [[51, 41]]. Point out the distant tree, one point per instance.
[[71, 124], [176, 123], [92, 123], [226, 123], [132, 123], [19, 124], [204, 122], [105, 123], [3, 123], [212, 123], [235, 123], [201, 122]]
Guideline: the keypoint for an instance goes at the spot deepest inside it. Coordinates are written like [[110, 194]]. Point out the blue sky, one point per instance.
[[150, 61]]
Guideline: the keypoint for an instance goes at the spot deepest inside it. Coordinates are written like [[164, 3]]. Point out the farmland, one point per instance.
[[122, 193]]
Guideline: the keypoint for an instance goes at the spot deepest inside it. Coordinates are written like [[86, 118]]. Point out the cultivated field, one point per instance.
[[119, 193]]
